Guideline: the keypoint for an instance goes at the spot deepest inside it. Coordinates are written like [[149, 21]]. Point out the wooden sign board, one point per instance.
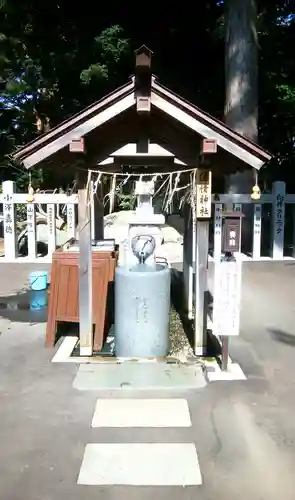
[[203, 193], [227, 298]]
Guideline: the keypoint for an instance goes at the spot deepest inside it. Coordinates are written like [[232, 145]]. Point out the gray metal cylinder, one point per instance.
[[142, 310]]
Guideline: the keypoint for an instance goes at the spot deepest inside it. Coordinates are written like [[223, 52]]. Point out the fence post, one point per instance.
[[51, 228], [10, 241], [217, 231], [256, 251], [237, 207], [278, 219], [71, 220], [31, 225]]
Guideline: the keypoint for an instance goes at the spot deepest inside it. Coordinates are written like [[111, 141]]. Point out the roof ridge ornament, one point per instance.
[[143, 56], [143, 79]]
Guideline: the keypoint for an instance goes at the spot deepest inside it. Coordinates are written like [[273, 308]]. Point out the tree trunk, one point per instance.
[[241, 67], [241, 100]]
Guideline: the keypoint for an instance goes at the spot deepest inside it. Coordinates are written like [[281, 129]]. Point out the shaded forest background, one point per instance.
[[57, 57]]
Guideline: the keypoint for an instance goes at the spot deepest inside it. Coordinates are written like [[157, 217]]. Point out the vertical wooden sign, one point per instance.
[[203, 193]]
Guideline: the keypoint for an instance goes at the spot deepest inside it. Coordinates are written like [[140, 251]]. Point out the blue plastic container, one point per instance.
[[38, 280], [38, 299]]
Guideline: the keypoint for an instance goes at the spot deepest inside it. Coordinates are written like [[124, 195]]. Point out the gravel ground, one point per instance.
[[180, 346]]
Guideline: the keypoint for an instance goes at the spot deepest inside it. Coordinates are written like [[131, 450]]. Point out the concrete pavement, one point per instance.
[[243, 433]]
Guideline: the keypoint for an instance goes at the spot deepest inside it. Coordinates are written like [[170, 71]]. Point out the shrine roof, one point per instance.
[[124, 98]]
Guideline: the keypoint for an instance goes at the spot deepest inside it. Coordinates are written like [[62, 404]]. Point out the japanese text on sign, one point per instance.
[[8, 214], [257, 219], [203, 193], [227, 299], [279, 213], [30, 218], [232, 238], [70, 216], [50, 220], [218, 220]]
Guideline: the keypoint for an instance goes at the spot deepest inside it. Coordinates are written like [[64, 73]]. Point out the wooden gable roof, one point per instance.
[[175, 107]]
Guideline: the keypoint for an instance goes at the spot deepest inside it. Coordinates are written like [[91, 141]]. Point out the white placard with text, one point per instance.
[[227, 298]]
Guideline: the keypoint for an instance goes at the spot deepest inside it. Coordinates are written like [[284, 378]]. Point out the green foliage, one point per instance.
[[57, 57], [51, 65], [287, 94], [126, 201], [95, 71], [111, 47]]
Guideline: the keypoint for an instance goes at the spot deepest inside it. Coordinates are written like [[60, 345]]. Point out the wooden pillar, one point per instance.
[[201, 286], [85, 264], [189, 237], [203, 215]]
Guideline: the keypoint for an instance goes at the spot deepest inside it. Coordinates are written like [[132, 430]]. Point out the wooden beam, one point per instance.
[[146, 160]]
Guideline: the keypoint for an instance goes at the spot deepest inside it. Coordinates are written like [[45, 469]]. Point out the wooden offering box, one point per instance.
[[63, 304]]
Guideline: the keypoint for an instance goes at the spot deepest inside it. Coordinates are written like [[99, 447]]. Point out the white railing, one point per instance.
[[277, 200], [10, 199]]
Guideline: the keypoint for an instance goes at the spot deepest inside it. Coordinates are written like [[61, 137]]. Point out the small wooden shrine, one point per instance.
[[141, 128]]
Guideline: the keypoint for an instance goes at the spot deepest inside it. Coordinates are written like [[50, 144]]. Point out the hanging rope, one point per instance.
[[154, 174], [112, 193], [170, 185]]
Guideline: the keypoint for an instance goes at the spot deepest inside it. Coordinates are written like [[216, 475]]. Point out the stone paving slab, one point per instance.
[[141, 413], [138, 376], [140, 464]]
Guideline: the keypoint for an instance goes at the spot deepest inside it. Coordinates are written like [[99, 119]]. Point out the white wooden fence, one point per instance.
[[10, 199]]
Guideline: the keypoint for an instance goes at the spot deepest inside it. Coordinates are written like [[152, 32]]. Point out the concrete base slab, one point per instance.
[[234, 372], [128, 375], [141, 413], [140, 464]]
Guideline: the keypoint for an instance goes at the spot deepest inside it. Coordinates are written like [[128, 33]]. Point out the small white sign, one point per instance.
[[51, 228], [31, 226], [227, 298]]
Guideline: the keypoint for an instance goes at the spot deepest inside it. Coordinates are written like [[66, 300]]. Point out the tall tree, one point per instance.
[[241, 67], [241, 81]]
